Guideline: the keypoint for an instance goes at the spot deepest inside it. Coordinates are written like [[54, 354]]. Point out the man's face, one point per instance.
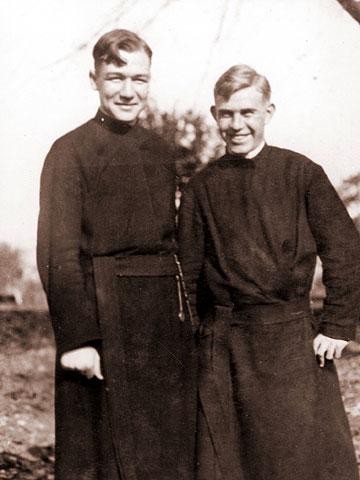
[[123, 90], [242, 118]]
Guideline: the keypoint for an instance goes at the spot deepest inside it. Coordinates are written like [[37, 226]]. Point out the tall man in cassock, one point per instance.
[[106, 257], [251, 226]]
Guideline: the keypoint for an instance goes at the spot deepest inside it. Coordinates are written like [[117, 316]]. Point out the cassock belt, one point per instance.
[[267, 314], [146, 266]]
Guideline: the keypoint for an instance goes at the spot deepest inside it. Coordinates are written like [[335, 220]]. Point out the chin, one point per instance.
[[238, 150], [126, 117]]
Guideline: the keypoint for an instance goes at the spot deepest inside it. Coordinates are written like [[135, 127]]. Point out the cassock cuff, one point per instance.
[[76, 338], [340, 332]]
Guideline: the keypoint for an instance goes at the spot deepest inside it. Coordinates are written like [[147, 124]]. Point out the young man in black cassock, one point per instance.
[[124, 390], [251, 226]]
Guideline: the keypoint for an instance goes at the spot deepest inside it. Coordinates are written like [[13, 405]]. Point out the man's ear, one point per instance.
[[213, 112], [270, 110], [92, 76]]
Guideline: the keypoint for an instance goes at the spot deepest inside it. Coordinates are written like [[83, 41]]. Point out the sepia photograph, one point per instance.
[[180, 240]]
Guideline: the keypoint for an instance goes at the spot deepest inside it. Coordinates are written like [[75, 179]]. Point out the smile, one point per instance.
[[126, 105], [239, 138]]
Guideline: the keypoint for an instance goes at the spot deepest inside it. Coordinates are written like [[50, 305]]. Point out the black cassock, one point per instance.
[[106, 259], [250, 230]]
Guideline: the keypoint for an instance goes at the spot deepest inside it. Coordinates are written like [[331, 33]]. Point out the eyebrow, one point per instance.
[[242, 110], [121, 75], [141, 75], [225, 110]]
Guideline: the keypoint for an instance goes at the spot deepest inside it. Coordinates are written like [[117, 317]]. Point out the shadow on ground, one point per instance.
[[16, 467]]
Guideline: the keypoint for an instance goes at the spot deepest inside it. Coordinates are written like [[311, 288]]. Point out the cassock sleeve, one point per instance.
[[338, 245], [191, 246], [69, 289]]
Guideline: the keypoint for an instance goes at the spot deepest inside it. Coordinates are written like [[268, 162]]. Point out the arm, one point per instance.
[[191, 246], [338, 245], [69, 290]]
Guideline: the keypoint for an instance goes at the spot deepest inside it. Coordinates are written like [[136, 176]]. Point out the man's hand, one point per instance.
[[327, 347], [85, 360]]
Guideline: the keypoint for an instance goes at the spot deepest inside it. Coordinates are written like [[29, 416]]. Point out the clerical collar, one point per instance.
[[251, 154], [256, 150], [112, 124]]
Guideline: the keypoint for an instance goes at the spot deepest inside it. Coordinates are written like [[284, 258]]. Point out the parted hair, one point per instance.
[[106, 49], [238, 77]]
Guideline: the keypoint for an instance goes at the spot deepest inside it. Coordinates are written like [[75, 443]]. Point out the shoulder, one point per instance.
[[77, 134], [73, 140], [287, 156], [294, 164]]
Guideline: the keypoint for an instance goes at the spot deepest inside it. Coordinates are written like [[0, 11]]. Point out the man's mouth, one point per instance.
[[126, 106], [239, 138]]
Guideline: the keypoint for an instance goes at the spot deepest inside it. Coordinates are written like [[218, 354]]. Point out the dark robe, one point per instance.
[[106, 259], [250, 231]]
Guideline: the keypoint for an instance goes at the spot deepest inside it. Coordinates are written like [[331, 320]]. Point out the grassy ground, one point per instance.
[[26, 396]]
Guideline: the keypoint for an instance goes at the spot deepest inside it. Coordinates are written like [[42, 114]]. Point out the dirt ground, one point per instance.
[[26, 396]]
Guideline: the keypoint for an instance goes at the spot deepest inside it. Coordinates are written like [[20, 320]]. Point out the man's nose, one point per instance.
[[127, 88], [237, 121]]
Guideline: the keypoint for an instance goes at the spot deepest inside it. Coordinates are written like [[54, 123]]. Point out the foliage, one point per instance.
[[33, 295], [349, 191], [195, 142], [18, 280], [10, 267]]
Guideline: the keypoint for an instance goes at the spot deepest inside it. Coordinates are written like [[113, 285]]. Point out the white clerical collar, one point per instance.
[[257, 150]]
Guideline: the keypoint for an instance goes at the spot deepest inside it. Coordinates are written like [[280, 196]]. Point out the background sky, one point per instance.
[[308, 49]]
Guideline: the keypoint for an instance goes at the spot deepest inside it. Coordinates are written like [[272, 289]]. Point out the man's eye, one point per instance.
[[114, 79], [140, 80]]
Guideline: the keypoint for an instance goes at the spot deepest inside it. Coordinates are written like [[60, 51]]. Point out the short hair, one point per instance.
[[238, 77], [106, 49]]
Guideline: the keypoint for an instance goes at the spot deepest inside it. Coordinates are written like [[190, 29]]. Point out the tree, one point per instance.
[[195, 142], [349, 191], [352, 7], [11, 269]]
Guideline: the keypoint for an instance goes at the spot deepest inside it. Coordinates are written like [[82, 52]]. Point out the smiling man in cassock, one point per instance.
[[251, 226], [106, 257]]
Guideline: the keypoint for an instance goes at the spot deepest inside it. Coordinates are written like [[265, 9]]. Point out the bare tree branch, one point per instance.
[[352, 7], [214, 42], [113, 16], [151, 20]]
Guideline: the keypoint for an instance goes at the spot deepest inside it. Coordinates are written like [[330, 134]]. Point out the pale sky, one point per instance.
[[308, 49]]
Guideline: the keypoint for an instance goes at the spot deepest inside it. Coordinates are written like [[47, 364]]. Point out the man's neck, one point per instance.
[[256, 150]]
